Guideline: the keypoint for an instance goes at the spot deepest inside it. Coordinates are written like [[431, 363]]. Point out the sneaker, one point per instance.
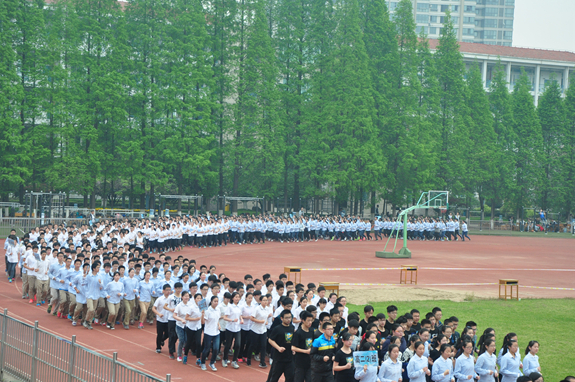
[[9, 280], [244, 359], [85, 324], [90, 326], [108, 326], [103, 323], [213, 367], [172, 356], [203, 367], [198, 362], [70, 317], [179, 359], [58, 315], [158, 351], [185, 360], [249, 362], [38, 304], [257, 358], [224, 363], [31, 301], [96, 321], [112, 328], [235, 365], [126, 327], [74, 323], [263, 365], [141, 326], [49, 308]]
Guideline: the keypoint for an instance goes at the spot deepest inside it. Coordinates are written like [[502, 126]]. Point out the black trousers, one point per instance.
[[193, 342], [236, 338], [173, 336], [161, 333], [322, 377], [279, 368], [302, 375], [258, 344]]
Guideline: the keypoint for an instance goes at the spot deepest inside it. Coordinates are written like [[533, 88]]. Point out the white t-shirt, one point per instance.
[[159, 305], [42, 266], [260, 313], [181, 310], [211, 317], [32, 263], [247, 311], [194, 313], [233, 312]]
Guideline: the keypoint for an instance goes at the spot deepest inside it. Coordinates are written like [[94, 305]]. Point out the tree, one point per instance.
[[551, 114], [454, 138], [569, 149], [484, 157], [527, 129], [14, 160], [501, 109]]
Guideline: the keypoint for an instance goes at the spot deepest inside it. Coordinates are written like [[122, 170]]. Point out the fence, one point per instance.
[[32, 354], [24, 225], [520, 226]]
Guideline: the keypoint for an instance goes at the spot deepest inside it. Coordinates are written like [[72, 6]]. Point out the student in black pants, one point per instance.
[[281, 341]]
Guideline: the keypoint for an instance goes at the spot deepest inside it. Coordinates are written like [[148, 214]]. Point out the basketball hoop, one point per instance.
[[443, 209]]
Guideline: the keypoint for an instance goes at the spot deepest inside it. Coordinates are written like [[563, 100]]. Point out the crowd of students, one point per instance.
[[309, 335]]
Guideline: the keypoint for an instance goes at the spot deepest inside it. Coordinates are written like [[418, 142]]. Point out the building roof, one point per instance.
[[508, 51]]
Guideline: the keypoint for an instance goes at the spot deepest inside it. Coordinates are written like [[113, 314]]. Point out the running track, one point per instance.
[[536, 262]]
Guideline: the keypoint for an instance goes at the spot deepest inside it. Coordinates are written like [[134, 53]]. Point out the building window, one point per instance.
[[422, 7], [508, 35], [479, 34], [468, 31], [509, 2], [469, 20], [433, 30], [489, 11], [480, 2], [392, 5], [490, 23], [490, 35], [422, 19], [433, 7], [454, 19], [470, 8], [420, 29], [509, 12], [492, 2], [444, 8], [508, 23], [432, 19], [506, 44], [455, 8]]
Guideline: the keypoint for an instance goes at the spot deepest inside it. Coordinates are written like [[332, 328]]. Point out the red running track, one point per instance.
[[541, 262]]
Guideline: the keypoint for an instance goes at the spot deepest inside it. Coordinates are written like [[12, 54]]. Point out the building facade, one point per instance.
[[542, 66], [483, 21]]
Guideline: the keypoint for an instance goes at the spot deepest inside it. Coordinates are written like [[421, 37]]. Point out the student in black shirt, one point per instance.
[[391, 315], [323, 318], [281, 339], [343, 361], [368, 312], [313, 310], [301, 345], [416, 316]]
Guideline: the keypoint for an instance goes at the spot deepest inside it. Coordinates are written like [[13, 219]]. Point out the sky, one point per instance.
[[545, 24]]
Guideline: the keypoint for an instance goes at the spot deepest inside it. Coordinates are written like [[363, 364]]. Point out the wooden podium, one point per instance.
[[508, 293], [294, 272], [408, 269]]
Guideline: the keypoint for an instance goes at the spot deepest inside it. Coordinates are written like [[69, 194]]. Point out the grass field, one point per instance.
[[548, 321]]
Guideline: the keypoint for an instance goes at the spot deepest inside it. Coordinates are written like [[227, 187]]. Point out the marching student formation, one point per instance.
[[118, 274]]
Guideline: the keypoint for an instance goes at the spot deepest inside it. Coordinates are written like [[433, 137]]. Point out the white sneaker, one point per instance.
[[179, 359], [203, 367], [213, 367], [235, 365], [224, 363]]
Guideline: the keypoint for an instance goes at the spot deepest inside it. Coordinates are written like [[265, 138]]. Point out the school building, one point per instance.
[[542, 66]]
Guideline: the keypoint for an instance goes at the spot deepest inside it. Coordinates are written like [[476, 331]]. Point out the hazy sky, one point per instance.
[[545, 24]]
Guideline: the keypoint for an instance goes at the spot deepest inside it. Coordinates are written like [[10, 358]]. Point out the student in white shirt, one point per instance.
[[248, 308], [210, 320], [42, 279], [194, 330], [162, 317], [262, 313]]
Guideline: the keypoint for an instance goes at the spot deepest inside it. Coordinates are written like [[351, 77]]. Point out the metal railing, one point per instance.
[[24, 225], [32, 354]]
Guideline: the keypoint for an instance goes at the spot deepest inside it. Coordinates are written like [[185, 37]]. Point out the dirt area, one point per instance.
[[364, 295]]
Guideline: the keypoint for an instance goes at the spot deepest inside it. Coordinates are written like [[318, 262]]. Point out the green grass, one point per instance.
[[548, 321]]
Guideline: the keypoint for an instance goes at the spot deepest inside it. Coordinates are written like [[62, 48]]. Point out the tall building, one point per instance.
[[483, 21]]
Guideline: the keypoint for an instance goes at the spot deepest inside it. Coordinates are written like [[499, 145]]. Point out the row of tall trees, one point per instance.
[[274, 98]]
